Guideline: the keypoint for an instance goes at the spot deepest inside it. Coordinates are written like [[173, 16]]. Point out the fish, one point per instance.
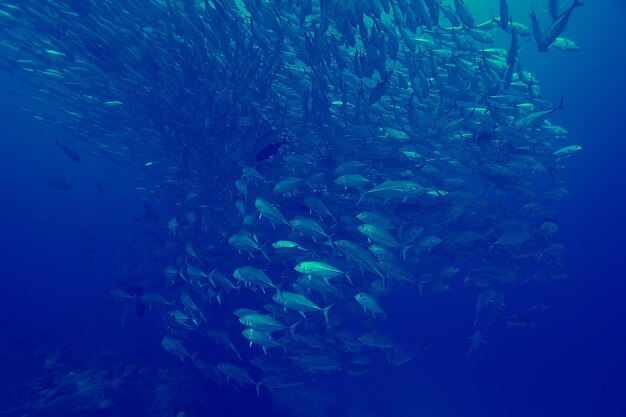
[[245, 243], [382, 237], [253, 276], [565, 44], [70, 153], [175, 347], [369, 304], [464, 14], [557, 27], [265, 323], [270, 212], [299, 303], [378, 340], [238, 374], [61, 184], [476, 340], [568, 150], [535, 118], [417, 153], [318, 269], [268, 151], [261, 338]]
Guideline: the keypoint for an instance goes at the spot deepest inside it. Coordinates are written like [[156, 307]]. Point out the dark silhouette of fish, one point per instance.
[[60, 184], [269, 150], [70, 153]]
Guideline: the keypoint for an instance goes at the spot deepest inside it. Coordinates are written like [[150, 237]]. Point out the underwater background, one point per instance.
[[67, 348]]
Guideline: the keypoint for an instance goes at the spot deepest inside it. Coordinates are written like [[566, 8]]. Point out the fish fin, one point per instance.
[[325, 311], [405, 249], [210, 277], [292, 329]]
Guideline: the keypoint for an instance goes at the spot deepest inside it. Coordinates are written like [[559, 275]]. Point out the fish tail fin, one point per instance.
[[405, 249], [325, 311], [210, 277], [361, 197], [292, 329], [257, 386], [561, 103]]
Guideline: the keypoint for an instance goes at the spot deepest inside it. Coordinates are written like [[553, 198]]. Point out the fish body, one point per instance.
[[369, 303], [238, 374], [318, 269], [253, 276], [299, 303], [261, 338], [270, 212], [175, 347], [397, 189], [244, 243], [557, 27], [262, 322], [568, 150], [70, 153]]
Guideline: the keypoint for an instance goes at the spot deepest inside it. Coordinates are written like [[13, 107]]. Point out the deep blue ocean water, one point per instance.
[[63, 251]]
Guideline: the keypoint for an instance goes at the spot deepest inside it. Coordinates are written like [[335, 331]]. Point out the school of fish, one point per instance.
[[313, 158]]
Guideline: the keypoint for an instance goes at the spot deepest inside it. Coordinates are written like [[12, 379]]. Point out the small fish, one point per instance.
[[369, 304], [175, 347], [60, 184], [70, 153], [269, 150]]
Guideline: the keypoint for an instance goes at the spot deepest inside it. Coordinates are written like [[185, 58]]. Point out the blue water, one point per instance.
[[63, 251]]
